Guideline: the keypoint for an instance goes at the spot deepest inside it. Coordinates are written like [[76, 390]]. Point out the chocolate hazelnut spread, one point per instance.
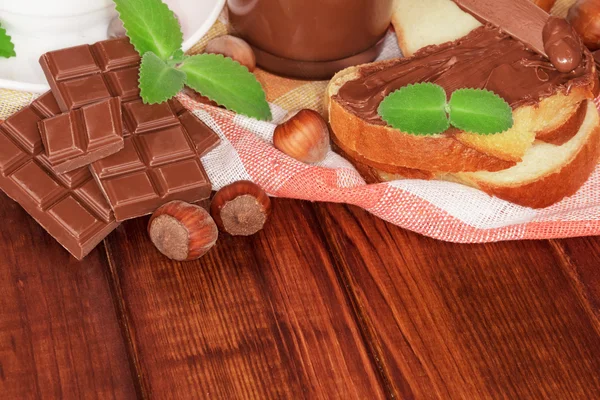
[[486, 58], [562, 44], [520, 18], [310, 32]]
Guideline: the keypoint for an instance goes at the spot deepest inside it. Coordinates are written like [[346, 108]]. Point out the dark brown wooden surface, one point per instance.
[[326, 302]]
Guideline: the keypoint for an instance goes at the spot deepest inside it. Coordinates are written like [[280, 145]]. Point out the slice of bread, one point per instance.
[[548, 154], [547, 174], [388, 149], [445, 22]]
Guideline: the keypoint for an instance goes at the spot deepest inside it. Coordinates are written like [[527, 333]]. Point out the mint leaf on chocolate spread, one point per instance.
[[151, 26], [227, 83], [419, 109], [7, 48], [480, 111], [158, 81]]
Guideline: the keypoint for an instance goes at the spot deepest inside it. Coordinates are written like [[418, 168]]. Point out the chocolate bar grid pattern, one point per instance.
[[143, 175], [88, 74], [77, 138], [69, 206], [158, 164]]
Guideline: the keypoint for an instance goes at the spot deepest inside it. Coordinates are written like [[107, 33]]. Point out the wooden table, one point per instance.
[[326, 302]]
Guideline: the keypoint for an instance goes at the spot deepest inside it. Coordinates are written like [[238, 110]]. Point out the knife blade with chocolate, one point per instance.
[[549, 36]]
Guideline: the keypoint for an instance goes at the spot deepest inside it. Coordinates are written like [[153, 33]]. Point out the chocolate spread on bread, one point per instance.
[[486, 58]]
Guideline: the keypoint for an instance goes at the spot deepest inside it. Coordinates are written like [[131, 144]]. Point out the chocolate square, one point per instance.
[[69, 206], [80, 137]]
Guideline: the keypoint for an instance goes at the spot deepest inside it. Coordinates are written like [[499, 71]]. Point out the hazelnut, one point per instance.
[[182, 231], [585, 18], [235, 48], [303, 136], [241, 208]]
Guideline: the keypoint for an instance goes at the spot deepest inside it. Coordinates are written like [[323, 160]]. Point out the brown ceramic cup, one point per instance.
[[311, 39]]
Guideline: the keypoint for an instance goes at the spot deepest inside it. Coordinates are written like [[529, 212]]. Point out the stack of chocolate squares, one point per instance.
[[90, 153]]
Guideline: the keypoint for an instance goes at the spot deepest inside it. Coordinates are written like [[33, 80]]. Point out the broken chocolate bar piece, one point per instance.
[[158, 164], [204, 138], [69, 206], [80, 137], [87, 74]]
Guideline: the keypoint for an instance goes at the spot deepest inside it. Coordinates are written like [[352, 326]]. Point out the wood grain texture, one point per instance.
[[259, 317], [59, 334], [582, 257], [504, 320], [327, 302]]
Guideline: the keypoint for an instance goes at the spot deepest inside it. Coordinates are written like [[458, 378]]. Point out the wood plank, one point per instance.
[[582, 255], [59, 333], [258, 317], [494, 321]]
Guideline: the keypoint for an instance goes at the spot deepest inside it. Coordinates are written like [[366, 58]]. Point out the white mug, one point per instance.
[[38, 26]]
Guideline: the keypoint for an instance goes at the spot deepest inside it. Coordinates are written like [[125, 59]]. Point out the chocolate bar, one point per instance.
[[69, 206], [78, 138], [159, 162], [87, 74], [162, 142]]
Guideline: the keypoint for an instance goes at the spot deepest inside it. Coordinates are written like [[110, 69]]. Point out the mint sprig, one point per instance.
[[7, 48], [422, 109], [151, 26], [158, 81], [155, 33], [222, 79]]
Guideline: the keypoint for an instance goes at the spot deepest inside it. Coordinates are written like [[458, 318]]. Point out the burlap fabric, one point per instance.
[[442, 210]]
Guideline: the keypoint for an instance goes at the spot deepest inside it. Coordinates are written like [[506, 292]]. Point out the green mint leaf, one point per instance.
[[7, 48], [227, 83], [158, 81], [178, 56], [151, 26], [418, 109], [480, 111]]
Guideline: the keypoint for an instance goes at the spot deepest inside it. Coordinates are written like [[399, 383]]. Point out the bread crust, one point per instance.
[[379, 172], [389, 149], [556, 186], [566, 131], [550, 188]]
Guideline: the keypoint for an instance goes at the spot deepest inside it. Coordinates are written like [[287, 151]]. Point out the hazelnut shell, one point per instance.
[[234, 48], [585, 18], [182, 231], [303, 136], [241, 208]]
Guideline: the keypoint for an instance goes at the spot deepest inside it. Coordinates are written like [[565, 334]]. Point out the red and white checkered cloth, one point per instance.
[[442, 210]]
